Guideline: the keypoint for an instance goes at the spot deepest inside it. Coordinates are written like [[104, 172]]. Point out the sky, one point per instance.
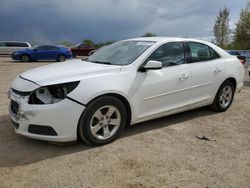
[[52, 21]]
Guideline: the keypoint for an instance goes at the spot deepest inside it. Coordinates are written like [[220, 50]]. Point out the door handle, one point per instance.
[[183, 77], [217, 70]]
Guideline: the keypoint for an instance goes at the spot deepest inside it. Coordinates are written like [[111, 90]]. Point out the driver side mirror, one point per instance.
[[151, 65]]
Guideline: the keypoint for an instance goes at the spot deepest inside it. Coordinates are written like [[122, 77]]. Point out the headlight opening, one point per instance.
[[52, 94]]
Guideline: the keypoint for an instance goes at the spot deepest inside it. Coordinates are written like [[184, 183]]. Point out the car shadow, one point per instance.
[[17, 150], [167, 121]]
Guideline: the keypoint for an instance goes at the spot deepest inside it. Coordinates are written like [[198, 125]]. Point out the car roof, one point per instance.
[[51, 45], [166, 39], [12, 41]]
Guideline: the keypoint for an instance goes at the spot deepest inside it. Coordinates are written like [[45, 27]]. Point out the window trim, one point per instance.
[[190, 54], [185, 51]]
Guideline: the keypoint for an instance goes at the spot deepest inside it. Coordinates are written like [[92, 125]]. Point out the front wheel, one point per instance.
[[102, 121], [25, 58], [224, 97]]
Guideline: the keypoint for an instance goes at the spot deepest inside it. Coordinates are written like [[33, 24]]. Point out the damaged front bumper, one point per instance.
[[51, 122]]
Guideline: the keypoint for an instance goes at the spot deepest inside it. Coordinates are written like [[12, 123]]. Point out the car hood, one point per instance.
[[73, 70]]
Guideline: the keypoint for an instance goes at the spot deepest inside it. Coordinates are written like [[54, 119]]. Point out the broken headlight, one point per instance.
[[52, 94]]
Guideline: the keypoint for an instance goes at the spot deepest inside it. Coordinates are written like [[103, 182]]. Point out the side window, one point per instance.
[[81, 46], [213, 54], [88, 46], [41, 48], [201, 52], [16, 44], [169, 54], [21, 44], [52, 48], [9, 44], [2, 44]]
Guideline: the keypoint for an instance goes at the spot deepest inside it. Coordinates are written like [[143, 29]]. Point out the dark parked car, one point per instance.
[[46, 52], [81, 49], [239, 55]]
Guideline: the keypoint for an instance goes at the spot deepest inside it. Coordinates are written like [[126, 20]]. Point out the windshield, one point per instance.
[[120, 53]]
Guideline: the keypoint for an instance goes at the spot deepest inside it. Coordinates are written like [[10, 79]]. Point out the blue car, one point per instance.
[[43, 53]]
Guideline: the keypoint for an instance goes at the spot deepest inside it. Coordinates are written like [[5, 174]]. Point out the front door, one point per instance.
[[167, 89]]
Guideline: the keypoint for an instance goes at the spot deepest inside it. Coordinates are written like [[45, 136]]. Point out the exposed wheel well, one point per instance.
[[233, 81], [25, 55], [61, 55], [124, 102]]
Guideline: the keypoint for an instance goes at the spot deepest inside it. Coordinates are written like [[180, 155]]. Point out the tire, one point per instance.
[[224, 97], [61, 58], [25, 58], [95, 125]]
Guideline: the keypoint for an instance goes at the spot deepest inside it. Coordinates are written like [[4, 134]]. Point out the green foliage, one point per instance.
[[66, 43], [148, 34], [221, 28], [242, 31], [99, 45], [88, 41]]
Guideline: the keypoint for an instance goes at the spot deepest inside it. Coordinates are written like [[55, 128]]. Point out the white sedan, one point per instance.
[[128, 82]]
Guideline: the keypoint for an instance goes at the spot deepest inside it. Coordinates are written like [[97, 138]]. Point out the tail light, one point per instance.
[[242, 61]]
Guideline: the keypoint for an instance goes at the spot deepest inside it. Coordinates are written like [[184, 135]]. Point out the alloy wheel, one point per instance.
[[61, 58], [105, 122], [226, 96]]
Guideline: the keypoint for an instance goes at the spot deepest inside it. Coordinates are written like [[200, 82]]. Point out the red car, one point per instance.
[[81, 49]]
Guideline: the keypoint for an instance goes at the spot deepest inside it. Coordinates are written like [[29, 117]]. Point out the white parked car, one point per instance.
[[128, 82], [9, 47]]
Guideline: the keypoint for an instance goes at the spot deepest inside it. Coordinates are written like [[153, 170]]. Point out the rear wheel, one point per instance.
[[25, 58], [102, 121], [224, 97], [61, 58], [74, 54]]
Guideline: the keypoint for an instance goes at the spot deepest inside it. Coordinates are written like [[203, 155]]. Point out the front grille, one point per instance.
[[21, 93], [14, 107], [42, 130], [16, 125]]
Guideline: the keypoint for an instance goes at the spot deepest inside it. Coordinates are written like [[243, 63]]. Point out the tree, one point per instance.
[[242, 31], [148, 34], [88, 41], [66, 43], [221, 28], [99, 45]]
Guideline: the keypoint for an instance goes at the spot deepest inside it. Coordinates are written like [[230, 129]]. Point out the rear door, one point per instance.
[[207, 70], [40, 53], [52, 52]]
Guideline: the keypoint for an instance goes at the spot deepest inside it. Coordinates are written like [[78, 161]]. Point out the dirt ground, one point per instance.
[[159, 153]]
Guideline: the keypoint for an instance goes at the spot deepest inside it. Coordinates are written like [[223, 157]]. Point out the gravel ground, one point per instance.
[[159, 153]]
